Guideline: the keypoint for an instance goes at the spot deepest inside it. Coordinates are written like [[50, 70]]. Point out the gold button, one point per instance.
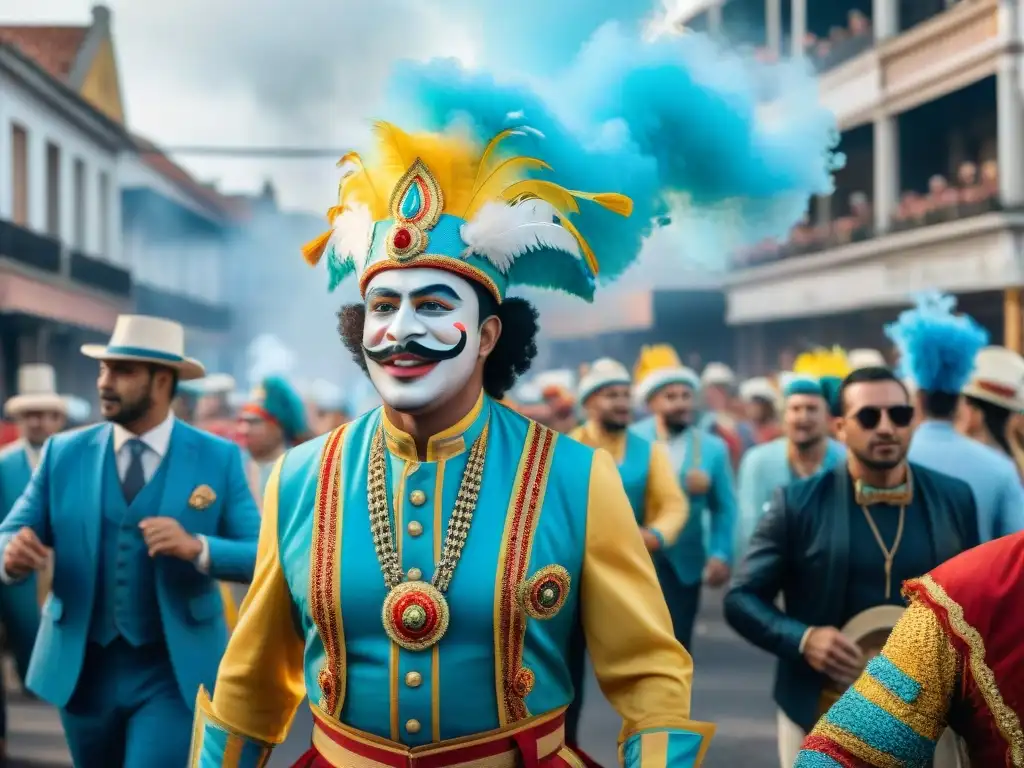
[[413, 679], [415, 528], [415, 574], [412, 726], [418, 498]]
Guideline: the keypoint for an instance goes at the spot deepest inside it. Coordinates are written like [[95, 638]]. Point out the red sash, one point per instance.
[[978, 598]]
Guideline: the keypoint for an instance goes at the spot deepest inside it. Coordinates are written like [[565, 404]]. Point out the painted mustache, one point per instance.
[[413, 347]]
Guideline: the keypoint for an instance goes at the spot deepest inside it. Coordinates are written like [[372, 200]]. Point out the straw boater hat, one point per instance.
[[998, 378], [37, 391], [603, 373], [148, 340]]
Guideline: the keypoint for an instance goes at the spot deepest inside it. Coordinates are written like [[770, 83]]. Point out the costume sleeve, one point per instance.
[[750, 602], [260, 681], [1010, 516], [232, 552], [666, 508], [642, 669], [747, 487], [722, 498], [896, 711]]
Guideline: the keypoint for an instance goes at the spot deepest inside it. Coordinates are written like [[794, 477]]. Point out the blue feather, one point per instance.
[[675, 125], [937, 347]]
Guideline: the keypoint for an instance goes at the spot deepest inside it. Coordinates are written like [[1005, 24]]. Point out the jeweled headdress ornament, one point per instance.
[[440, 201]]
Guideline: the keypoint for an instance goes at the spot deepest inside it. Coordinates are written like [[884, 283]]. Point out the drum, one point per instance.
[[870, 630]]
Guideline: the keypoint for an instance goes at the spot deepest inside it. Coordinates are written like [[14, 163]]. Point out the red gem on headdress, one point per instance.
[[403, 239]]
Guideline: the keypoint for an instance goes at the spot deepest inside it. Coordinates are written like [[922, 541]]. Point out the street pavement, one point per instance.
[[732, 688]]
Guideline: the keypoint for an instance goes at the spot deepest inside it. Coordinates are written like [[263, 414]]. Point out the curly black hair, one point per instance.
[[510, 358]]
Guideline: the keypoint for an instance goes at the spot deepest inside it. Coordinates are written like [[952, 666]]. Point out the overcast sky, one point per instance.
[[306, 73]]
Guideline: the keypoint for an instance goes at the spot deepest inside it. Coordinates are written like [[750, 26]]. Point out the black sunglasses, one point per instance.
[[869, 417]]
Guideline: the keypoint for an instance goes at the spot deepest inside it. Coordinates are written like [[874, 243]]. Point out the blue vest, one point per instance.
[[635, 469], [126, 600]]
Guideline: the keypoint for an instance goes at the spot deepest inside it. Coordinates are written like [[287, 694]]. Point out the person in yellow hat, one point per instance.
[[669, 391]]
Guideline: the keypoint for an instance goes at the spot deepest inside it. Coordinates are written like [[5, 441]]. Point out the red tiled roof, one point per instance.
[[52, 48]]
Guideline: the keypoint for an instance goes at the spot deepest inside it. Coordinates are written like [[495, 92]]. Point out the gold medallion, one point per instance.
[[415, 615]]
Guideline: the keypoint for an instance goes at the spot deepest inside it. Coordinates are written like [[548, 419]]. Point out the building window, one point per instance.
[[19, 163], [53, 190], [80, 202], [104, 214]]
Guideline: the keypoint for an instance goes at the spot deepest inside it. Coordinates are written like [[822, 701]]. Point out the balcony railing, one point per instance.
[[94, 273], [28, 248]]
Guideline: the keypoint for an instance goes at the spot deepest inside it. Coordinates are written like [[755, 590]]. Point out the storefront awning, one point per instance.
[[34, 297]]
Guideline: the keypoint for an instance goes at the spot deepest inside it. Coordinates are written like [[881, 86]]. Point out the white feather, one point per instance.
[[502, 233], [352, 234]]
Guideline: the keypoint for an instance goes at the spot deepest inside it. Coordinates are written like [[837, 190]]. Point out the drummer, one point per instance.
[[837, 546]]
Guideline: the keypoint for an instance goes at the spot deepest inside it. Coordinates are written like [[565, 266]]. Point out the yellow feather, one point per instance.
[[822, 362], [313, 251], [611, 201], [394, 152], [552, 194], [492, 147], [490, 187], [588, 253]]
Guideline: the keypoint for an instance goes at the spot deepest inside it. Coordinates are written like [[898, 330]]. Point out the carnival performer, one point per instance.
[[990, 400], [143, 513], [952, 660], [330, 408], [557, 390], [760, 399], [718, 393], [658, 503], [701, 462], [837, 546], [937, 350], [272, 421], [471, 661], [39, 413], [805, 450]]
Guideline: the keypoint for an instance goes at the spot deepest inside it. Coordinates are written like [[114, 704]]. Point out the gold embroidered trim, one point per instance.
[[520, 524], [431, 261], [325, 576], [544, 594], [1006, 719]]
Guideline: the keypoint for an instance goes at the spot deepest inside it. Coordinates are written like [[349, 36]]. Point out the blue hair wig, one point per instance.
[[937, 347]]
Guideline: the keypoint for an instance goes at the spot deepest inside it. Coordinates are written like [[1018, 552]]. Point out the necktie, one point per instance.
[[135, 477]]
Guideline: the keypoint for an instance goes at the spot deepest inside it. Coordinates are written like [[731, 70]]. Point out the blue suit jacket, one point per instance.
[[62, 504], [709, 530]]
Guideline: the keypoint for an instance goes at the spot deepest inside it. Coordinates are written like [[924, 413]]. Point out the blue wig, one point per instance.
[[937, 348], [679, 125]]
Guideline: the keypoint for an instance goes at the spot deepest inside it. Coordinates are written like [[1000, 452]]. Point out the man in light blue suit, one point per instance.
[[143, 514], [805, 450], [704, 549]]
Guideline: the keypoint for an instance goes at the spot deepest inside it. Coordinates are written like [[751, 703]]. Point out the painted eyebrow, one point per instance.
[[438, 289], [383, 293]]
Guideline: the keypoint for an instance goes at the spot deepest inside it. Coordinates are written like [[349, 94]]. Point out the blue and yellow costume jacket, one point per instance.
[[658, 502], [312, 628]]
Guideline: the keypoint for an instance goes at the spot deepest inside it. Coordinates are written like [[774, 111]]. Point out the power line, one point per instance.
[[277, 153]]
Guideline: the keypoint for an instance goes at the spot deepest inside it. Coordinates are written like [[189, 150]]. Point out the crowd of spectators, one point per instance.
[[975, 190]]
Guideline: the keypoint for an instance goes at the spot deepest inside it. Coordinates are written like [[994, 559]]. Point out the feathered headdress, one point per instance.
[[822, 362], [937, 348], [441, 201]]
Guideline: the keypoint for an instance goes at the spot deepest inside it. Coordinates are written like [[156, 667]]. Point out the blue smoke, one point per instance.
[[675, 124], [937, 347]]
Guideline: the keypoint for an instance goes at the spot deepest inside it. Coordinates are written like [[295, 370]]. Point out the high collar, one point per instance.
[[445, 444], [594, 435]]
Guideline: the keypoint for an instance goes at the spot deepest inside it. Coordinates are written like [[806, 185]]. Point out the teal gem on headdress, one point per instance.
[[412, 202]]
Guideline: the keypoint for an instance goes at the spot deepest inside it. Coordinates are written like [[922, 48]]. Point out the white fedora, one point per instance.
[[998, 378], [37, 391], [148, 340]]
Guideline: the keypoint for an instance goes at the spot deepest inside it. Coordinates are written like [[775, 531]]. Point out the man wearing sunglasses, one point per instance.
[[838, 546]]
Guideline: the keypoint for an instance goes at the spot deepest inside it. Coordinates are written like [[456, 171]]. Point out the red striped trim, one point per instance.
[[323, 597], [444, 757], [825, 746], [252, 409], [994, 388]]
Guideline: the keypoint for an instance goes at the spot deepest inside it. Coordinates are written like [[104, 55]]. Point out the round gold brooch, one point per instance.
[[545, 593], [415, 615]]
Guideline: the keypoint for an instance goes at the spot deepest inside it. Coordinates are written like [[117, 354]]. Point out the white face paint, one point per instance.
[[412, 339]]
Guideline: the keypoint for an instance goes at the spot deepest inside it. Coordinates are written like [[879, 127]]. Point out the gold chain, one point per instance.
[[887, 553], [458, 524]]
